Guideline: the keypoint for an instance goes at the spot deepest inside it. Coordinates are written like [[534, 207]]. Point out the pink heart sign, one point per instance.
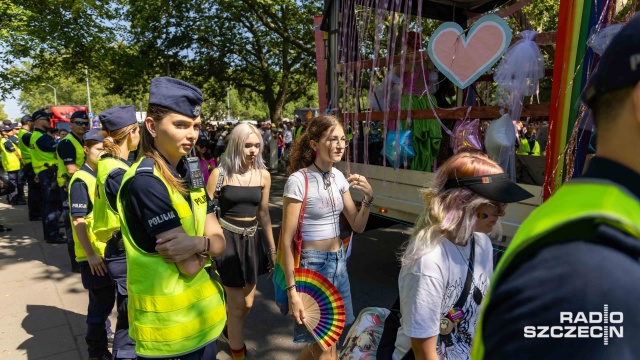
[[464, 58]]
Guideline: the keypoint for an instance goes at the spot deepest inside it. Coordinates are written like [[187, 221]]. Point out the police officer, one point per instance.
[[121, 136], [43, 158], [167, 212], [578, 252], [70, 159], [11, 161], [34, 201], [88, 251]]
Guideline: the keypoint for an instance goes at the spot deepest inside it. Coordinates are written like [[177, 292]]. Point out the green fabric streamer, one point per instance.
[[427, 133]]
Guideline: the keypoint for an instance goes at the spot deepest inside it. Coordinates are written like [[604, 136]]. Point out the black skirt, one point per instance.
[[244, 258]]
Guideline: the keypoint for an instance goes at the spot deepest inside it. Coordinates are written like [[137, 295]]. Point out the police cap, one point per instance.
[[176, 95], [25, 119], [93, 134], [117, 117], [81, 114], [41, 114]]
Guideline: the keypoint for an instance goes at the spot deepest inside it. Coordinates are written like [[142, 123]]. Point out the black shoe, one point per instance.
[[3, 229], [56, 241]]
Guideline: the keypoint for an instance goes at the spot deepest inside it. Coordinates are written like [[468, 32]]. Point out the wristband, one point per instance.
[[291, 287], [272, 251], [366, 202]]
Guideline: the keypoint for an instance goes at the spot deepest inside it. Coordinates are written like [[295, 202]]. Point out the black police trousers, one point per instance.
[[34, 201], [102, 297], [123, 346], [14, 177], [51, 204], [64, 194]]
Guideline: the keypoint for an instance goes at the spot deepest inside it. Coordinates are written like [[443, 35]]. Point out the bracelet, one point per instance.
[[272, 251], [366, 202], [207, 244], [291, 287]]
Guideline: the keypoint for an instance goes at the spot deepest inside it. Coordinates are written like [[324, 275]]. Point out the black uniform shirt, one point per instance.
[[66, 150], [576, 276], [8, 145], [148, 208], [80, 203], [14, 140], [26, 139], [45, 142]]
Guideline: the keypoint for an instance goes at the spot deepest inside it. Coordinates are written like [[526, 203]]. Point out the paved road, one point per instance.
[[43, 304]]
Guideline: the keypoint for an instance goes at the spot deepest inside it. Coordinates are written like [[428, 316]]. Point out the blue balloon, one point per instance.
[[398, 151]]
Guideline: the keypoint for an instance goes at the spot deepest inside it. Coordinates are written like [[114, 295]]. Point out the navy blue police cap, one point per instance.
[[117, 117], [15, 125], [81, 114], [176, 95], [25, 119], [6, 128], [619, 66], [93, 134], [41, 114], [6, 122]]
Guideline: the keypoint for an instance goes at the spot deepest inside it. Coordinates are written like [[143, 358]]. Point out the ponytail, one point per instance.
[[114, 139]]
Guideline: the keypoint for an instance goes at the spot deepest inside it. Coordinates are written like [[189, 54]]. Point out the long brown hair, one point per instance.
[[302, 154], [147, 149], [113, 139]]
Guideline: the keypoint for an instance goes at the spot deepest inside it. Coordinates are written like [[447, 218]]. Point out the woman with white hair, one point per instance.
[[241, 184]]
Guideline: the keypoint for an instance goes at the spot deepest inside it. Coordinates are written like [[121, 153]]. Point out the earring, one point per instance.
[[153, 134], [316, 153]]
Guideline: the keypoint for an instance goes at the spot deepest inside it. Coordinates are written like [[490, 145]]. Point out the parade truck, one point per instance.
[[61, 114], [359, 47]]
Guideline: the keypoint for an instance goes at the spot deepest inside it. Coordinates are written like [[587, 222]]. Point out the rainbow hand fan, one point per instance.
[[323, 306]]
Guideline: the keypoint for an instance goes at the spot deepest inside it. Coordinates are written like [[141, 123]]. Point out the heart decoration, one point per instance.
[[464, 58]]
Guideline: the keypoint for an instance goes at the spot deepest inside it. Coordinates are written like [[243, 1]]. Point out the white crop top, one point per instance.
[[322, 215]]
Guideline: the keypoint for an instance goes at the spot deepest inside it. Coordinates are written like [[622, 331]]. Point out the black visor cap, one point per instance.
[[496, 187]]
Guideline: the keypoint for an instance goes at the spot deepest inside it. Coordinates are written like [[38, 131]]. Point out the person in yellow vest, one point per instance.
[[70, 159], [89, 252], [298, 128], [43, 158], [11, 162], [448, 260], [170, 233], [567, 286], [34, 201], [121, 136], [529, 145]]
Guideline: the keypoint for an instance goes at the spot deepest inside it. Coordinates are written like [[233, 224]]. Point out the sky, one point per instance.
[[11, 106]]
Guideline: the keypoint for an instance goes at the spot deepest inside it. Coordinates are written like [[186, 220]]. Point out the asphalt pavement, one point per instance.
[[43, 304]]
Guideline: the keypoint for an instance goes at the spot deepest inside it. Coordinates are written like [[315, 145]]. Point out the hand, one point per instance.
[[179, 246], [272, 262], [360, 182], [295, 307], [97, 265]]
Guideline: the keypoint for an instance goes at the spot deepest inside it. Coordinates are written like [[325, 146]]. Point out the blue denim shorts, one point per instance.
[[333, 266]]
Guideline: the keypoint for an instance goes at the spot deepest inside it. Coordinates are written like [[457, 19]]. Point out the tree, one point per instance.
[[3, 115]]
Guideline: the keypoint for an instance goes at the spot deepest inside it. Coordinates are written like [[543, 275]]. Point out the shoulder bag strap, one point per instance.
[[467, 284]]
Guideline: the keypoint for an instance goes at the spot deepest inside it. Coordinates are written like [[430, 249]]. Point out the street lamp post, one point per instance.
[[55, 97], [86, 72], [228, 106]]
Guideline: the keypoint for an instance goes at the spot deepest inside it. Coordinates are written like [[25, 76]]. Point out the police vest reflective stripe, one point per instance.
[[171, 314], [297, 132], [24, 149], [98, 246], [62, 169], [602, 202], [525, 149], [40, 159], [106, 219], [10, 160]]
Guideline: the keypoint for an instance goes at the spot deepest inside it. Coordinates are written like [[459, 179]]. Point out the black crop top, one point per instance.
[[240, 201]]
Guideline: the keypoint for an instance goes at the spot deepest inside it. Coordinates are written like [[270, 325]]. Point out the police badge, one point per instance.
[[196, 110]]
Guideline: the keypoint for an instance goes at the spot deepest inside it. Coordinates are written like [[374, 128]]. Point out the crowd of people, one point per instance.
[[177, 239]]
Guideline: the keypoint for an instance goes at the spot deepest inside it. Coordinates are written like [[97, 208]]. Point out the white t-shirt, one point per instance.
[[288, 136], [322, 210], [430, 287]]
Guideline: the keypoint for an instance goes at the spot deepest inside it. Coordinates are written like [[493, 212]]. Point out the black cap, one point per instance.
[[117, 117], [41, 114], [81, 114], [15, 125], [498, 187], [7, 123], [176, 95], [619, 66], [93, 134], [6, 128], [25, 119]]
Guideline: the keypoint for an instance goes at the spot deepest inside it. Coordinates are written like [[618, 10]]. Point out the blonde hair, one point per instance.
[[231, 162], [449, 214], [147, 149], [113, 139]]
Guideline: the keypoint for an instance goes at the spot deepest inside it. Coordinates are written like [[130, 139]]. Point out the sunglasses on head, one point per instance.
[[81, 123]]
